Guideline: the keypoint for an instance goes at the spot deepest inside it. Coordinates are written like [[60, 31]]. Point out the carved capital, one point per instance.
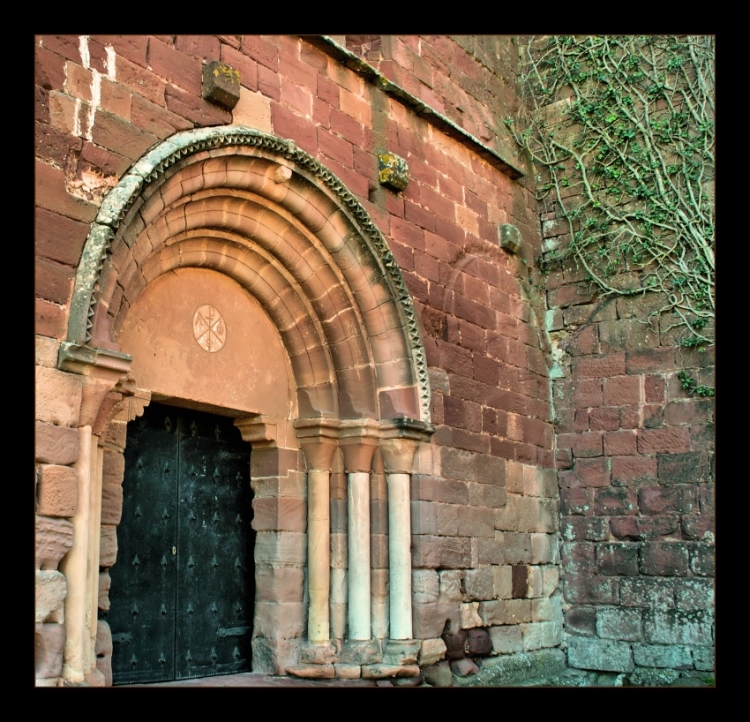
[[399, 440], [318, 439], [358, 439]]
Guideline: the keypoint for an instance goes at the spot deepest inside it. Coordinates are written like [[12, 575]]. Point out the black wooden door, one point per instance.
[[182, 593]]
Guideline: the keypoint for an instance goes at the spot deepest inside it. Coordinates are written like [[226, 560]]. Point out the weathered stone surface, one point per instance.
[[57, 490], [511, 669], [51, 588], [479, 584], [284, 547], [432, 651], [438, 675], [408, 681], [312, 671], [619, 623], [479, 643], [54, 538], [287, 619], [108, 546], [599, 654], [429, 620], [502, 582], [455, 644], [111, 504], [58, 396], [104, 583], [273, 656], [318, 654], [401, 651], [382, 671], [470, 615], [220, 84], [703, 658], [48, 650], [506, 639], [672, 656], [463, 667], [676, 626], [347, 671], [55, 444], [359, 653], [279, 584]]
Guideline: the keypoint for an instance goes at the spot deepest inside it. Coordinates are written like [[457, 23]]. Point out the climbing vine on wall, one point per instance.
[[620, 131]]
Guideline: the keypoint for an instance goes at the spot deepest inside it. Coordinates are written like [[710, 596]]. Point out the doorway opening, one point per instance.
[[185, 577]]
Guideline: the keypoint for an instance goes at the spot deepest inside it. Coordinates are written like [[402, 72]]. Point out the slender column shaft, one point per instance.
[[319, 550], [399, 553], [95, 522], [74, 566], [359, 555]]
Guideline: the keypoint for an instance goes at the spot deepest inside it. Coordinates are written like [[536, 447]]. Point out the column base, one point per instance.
[[366, 651], [401, 651], [326, 653]]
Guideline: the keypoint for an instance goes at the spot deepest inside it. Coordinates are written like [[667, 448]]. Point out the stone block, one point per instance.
[[664, 559], [703, 658], [401, 651], [502, 582], [543, 548], [58, 396], [220, 84], [463, 667], [438, 675], [318, 654], [431, 651], [312, 671], [488, 551], [57, 490], [517, 548], [384, 671], [53, 540], [507, 670], [510, 238], [425, 586], [694, 594], [103, 643], [393, 171], [279, 584], [676, 626], [479, 584], [286, 547], [581, 621], [273, 656], [541, 610], [45, 349], [599, 654], [702, 560], [617, 559], [470, 615], [455, 644], [520, 580], [111, 504], [619, 623], [536, 582], [438, 551], [550, 580], [49, 640], [506, 640], [113, 467], [55, 444], [104, 584], [672, 656], [50, 591], [510, 611], [450, 585], [107, 546], [347, 671], [430, 620], [476, 522], [531, 636], [274, 620], [478, 642], [648, 593]]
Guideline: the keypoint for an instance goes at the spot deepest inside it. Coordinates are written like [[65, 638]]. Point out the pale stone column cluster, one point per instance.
[[363, 652]]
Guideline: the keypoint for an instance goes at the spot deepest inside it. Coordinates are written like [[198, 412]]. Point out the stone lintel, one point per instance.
[[358, 439], [318, 439]]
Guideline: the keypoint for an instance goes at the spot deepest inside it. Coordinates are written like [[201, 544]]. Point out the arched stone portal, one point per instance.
[[231, 272]]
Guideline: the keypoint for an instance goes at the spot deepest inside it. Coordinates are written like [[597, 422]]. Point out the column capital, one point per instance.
[[399, 439], [318, 439], [358, 439]]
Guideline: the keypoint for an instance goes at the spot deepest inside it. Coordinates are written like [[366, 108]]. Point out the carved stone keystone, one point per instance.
[[220, 84]]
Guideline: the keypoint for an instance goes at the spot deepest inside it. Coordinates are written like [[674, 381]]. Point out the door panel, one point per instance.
[[183, 587]]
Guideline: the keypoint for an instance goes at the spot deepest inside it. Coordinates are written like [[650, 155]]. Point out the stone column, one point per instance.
[[75, 567], [399, 441], [318, 439], [358, 443]]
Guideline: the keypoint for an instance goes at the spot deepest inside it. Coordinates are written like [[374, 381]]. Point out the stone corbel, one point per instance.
[[260, 431], [102, 368]]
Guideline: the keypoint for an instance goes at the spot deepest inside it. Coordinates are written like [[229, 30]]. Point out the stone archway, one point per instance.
[[232, 207]]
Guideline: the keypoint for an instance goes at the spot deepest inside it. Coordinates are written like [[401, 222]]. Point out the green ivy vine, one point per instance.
[[620, 130]]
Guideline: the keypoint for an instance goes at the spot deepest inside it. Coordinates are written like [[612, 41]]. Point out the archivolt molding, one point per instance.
[[155, 163]]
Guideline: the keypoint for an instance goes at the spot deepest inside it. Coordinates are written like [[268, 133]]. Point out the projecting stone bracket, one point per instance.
[[220, 84]]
